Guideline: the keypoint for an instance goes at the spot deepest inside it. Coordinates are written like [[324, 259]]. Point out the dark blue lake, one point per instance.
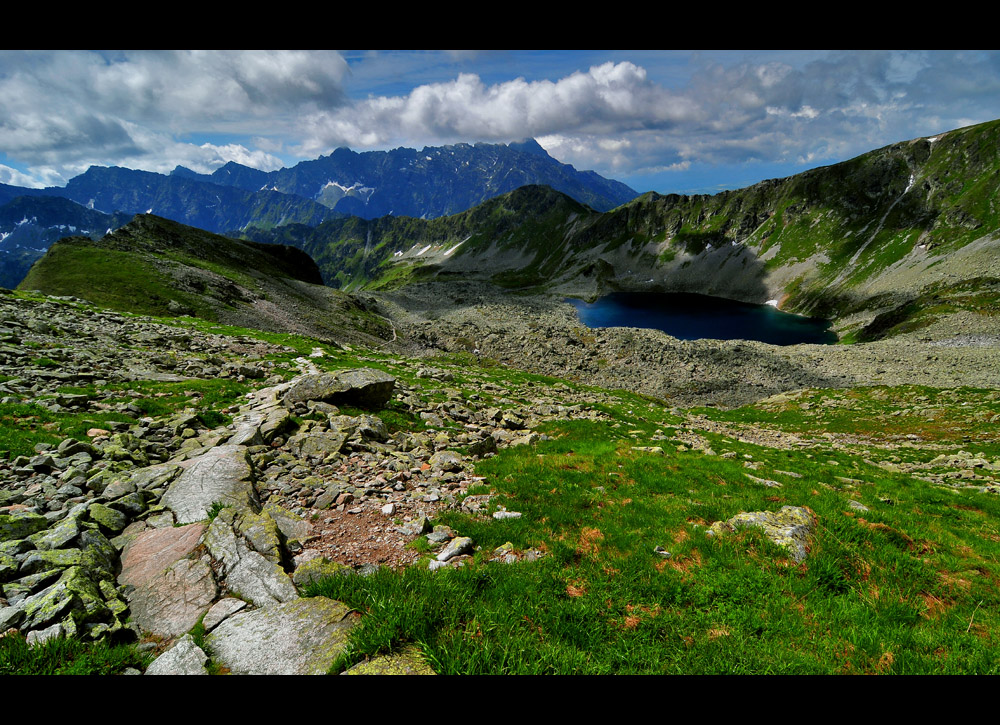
[[695, 317]]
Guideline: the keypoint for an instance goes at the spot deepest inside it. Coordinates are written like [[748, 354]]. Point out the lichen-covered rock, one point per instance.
[[62, 533], [21, 524], [262, 533], [247, 572], [791, 527], [456, 547], [446, 461], [317, 444], [316, 569], [301, 637], [290, 525], [408, 662], [110, 519], [75, 593], [363, 387]]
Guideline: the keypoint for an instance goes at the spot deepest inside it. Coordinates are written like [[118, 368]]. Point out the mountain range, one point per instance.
[[912, 221], [428, 183]]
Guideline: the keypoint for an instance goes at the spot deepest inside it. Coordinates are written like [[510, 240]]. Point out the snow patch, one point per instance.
[[932, 139], [423, 250], [365, 191], [397, 253], [448, 253], [910, 185], [772, 303]]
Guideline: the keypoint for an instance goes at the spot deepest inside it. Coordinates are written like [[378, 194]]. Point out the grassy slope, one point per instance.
[[908, 587]]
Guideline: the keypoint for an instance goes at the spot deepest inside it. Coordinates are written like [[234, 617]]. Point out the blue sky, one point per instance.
[[668, 121]]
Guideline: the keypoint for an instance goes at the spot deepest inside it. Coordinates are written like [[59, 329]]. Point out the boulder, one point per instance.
[[791, 527], [362, 387], [184, 658], [247, 572]]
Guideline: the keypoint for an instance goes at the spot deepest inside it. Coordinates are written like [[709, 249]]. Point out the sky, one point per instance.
[[666, 121]]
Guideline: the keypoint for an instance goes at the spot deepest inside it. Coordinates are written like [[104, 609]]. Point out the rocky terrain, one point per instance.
[[543, 334], [143, 528]]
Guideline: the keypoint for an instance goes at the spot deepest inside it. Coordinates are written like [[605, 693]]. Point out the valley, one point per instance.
[[399, 432]]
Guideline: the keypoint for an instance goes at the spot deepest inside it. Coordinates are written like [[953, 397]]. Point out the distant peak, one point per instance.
[[528, 146], [184, 171]]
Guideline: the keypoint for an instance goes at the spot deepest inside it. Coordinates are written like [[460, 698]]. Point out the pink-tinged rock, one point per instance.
[[171, 604], [152, 552]]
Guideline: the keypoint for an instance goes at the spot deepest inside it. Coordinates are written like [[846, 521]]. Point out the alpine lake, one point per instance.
[[696, 317]]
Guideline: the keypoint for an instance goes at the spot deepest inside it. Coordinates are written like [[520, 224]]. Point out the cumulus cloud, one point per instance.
[[17, 178], [607, 98], [615, 118], [76, 107]]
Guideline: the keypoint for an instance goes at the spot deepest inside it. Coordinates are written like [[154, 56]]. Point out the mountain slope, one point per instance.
[[911, 221], [30, 224], [157, 266]]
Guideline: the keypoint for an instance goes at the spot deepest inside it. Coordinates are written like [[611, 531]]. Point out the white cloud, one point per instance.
[[73, 108], [17, 178], [608, 97]]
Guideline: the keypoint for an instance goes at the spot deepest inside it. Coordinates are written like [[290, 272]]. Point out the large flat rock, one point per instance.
[[301, 637], [222, 474]]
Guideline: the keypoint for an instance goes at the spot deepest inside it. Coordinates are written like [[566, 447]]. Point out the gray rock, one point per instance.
[[156, 476], [446, 461], [301, 637], [363, 387], [290, 525], [456, 547], [10, 617], [317, 444], [222, 474], [247, 572], [221, 610], [41, 635], [184, 658]]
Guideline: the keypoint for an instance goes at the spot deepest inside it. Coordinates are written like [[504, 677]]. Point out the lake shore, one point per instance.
[[543, 335]]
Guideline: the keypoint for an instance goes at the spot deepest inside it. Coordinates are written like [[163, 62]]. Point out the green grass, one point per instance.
[[62, 656], [906, 588], [25, 425]]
